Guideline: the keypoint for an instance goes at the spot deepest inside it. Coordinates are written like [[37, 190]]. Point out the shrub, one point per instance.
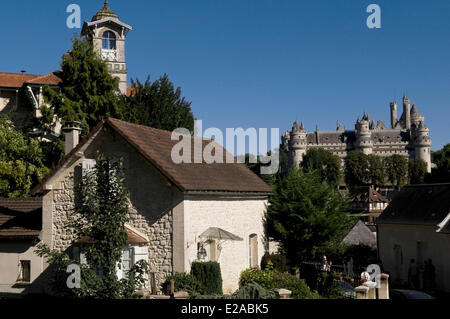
[[209, 275], [272, 279], [253, 291], [278, 261], [183, 282]]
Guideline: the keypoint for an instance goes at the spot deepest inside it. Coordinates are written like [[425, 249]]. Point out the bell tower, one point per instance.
[[109, 37]]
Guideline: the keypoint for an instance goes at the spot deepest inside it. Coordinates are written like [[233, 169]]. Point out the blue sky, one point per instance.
[[264, 63]]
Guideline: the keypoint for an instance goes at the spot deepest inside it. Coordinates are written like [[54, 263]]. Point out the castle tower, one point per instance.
[[297, 144], [422, 143], [393, 106], [406, 113], [363, 135], [109, 36], [416, 117]]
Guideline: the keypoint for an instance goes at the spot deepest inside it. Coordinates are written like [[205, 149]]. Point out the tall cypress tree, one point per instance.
[[306, 216], [87, 93]]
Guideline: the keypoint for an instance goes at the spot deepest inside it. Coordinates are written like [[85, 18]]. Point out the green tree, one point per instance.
[[356, 169], [21, 163], [417, 170], [88, 92], [376, 170], [158, 105], [306, 215], [396, 167], [441, 173], [326, 163], [102, 209]]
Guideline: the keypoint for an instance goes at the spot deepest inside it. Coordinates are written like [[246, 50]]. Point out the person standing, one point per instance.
[[413, 275], [432, 275]]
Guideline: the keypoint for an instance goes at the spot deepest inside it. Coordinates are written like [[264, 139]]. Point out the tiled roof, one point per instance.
[[20, 218], [418, 205], [17, 80], [360, 234], [48, 79], [156, 147]]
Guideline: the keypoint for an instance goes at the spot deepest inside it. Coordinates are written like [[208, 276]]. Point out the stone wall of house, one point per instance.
[[63, 236], [160, 249]]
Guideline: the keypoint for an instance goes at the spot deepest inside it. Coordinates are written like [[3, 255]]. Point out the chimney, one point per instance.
[[71, 135], [407, 112], [393, 114]]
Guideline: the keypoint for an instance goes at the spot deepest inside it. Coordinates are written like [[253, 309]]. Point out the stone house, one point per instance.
[[416, 225], [175, 208]]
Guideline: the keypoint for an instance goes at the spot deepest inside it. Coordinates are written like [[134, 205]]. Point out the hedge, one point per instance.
[[209, 275]]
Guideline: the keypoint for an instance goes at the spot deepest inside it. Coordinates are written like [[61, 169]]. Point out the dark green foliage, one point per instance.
[[441, 173], [396, 167], [100, 214], [326, 163], [21, 161], [417, 170], [209, 275], [306, 215], [158, 105], [356, 169], [253, 291], [254, 164], [88, 92], [277, 261], [376, 170], [103, 210], [184, 282], [272, 279]]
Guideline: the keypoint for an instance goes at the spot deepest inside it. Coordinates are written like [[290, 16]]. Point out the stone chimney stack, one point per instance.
[[407, 112], [71, 135], [393, 114]]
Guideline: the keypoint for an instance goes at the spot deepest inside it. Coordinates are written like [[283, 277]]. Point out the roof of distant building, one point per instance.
[[17, 80], [361, 234], [20, 218], [427, 204]]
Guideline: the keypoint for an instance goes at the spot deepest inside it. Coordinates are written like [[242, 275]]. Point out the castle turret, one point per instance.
[[393, 106], [422, 143], [416, 117], [406, 113], [363, 141], [297, 144]]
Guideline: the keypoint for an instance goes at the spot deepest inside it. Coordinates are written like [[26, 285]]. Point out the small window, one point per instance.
[[25, 271], [109, 40]]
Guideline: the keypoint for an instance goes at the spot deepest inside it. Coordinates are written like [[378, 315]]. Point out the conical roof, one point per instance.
[[104, 13], [415, 111]]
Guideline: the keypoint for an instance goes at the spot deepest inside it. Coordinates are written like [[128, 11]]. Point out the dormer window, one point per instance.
[[109, 40]]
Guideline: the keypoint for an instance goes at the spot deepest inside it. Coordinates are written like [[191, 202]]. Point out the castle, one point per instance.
[[407, 136]]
